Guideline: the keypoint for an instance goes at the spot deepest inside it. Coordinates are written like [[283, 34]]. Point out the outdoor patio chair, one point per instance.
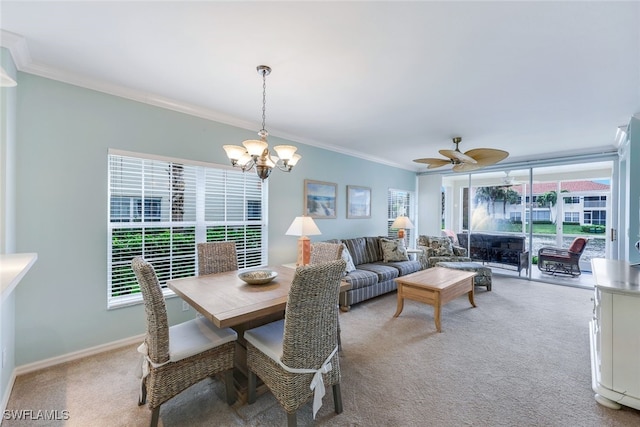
[[216, 257], [555, 260], [296, 357], [177, 357]]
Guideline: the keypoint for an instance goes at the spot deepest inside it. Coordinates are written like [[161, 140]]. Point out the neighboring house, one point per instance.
[[583, 202]]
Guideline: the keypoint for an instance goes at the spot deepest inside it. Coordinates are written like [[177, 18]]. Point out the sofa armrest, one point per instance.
[[459, 251], [423, 256]]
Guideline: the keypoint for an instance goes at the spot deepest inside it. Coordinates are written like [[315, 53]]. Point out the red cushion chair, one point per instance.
[[559, 260]]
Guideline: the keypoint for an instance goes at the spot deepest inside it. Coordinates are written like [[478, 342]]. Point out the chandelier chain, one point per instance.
[[264, 97]]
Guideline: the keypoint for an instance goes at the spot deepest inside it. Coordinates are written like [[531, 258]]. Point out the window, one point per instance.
[[595, 201], [160, 208], [574, 200], [399, 202], [595, 217], [515, 216], [129, 209], [572, 217], [539, 215]]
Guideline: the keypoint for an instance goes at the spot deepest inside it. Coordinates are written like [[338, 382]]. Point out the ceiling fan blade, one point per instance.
[[457, 155], [466, 167], [487, 156], [433, 163]]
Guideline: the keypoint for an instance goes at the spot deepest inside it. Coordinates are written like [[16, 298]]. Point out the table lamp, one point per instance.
[[303, 226], [401, 223]]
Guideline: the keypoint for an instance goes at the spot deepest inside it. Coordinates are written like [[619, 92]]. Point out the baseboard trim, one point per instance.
[[47, 363]]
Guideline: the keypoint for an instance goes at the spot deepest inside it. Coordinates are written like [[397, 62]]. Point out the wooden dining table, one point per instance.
[[229, 302]]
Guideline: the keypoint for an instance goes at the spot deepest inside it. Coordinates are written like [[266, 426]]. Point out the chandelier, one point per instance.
[[255, 153]]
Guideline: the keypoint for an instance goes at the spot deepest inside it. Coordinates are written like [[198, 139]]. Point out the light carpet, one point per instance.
[[521, 358]]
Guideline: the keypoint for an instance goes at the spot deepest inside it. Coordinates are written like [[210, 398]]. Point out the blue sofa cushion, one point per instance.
[[406, 267], [361, 278], [383, 270]]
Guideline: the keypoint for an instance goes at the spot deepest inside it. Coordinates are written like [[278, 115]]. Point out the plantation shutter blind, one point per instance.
[[399, 202], [160, 209]]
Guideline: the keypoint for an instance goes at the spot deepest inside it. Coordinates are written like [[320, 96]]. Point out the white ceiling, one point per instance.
[[388, 81]]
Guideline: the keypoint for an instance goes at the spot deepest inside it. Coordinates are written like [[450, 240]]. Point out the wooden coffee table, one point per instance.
[[435, 286]]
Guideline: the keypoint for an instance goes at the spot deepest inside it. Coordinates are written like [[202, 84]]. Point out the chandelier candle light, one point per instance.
[[303, 226], [255, 153]]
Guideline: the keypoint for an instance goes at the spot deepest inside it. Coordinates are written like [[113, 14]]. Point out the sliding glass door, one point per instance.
[[542, 206]]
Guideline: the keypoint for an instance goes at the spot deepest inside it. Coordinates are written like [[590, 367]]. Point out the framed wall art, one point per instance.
[[320, 199], [358, 202]]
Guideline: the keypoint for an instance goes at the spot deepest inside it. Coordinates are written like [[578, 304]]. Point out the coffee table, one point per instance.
[[435, 286]]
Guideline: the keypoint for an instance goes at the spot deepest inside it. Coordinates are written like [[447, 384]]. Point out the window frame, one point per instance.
[[220, 203]]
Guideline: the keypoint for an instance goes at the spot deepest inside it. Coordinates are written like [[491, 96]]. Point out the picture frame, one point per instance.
[[358, 202], [320, 199]]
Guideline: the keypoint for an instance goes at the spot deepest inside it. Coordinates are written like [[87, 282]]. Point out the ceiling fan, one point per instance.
[[509, 181], [468, 161]]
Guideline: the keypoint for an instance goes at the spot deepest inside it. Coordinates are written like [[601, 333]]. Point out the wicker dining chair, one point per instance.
[[217, 257], [297, 356], [176, 357], [322, 252]]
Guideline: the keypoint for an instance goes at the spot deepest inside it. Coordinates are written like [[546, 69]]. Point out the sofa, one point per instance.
[[437, 249], [372, 265]]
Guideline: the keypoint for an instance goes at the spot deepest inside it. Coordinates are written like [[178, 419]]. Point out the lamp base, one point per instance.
[[304, 251]]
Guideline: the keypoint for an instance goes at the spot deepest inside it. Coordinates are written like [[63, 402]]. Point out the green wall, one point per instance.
[[63, 135]]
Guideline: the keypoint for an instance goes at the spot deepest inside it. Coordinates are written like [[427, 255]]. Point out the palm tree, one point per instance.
[[489, 195], [549, 199]]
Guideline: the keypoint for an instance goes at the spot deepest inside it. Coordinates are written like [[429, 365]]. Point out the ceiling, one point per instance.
[[387, 81]]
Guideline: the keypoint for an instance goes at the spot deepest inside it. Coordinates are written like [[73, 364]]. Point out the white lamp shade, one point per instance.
[[255, 147], [303, 226], [234, 152], [402, 222], [285, 152], [244, 159], [294, 160]]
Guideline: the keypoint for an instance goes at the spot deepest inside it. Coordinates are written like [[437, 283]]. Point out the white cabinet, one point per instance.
[[615, 334]]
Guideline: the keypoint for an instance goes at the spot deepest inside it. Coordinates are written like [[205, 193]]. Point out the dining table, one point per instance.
[[229, 302]]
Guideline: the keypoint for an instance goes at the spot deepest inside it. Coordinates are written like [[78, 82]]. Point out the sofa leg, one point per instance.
[[345, 308]]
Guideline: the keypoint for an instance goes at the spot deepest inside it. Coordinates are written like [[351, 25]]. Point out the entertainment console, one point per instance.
[[505, 249]]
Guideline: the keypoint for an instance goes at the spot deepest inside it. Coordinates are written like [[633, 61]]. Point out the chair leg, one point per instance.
[[155, 415], [231, 392], [337, 398], [251, 387], [292, 420], [142, 399], [339, 338]]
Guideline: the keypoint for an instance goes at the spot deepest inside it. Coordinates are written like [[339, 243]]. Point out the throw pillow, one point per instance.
[[346, 256], [393, 250], [442, 246]]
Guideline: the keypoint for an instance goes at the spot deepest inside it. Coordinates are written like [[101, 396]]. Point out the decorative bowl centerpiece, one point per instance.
[[258, 277]]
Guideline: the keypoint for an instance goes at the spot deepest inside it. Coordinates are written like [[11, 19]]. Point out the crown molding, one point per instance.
[[17, 46]]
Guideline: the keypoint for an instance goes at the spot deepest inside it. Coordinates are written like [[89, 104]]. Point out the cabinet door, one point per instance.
[[626, 344], [604, 336]]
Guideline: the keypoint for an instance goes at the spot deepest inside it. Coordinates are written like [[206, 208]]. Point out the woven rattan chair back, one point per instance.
[[216, 257], [154, 306], [311, 312], [322, 252]]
